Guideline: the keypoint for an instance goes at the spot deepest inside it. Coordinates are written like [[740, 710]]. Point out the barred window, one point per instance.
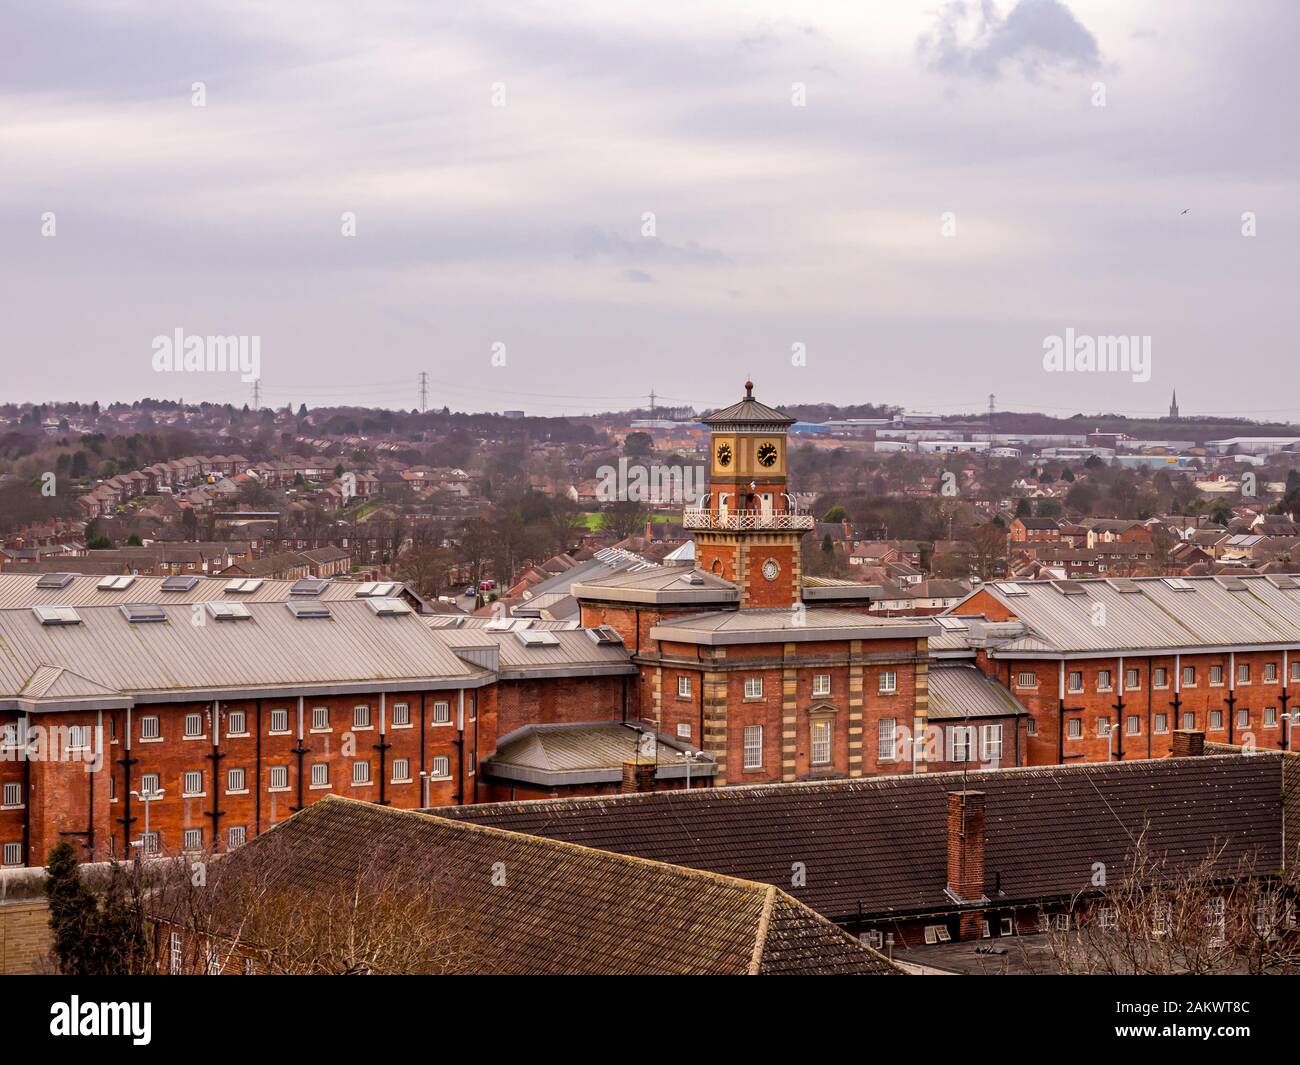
[[320, 775], [193, 782], [401, 770], [279, 720], [961, 739], [441, 713], [361, 772], [192, 839], [236, 723], [401, 715], [234, 780], [279, 777], [1162, 722], [149, 728], [361, 717], [150, 784], [320, 717], [441, 767], [887, 738], [236, 835], [193, 725], [821, 742], [753, 745]]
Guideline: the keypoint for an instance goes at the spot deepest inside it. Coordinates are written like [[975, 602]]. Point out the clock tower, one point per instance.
[[747, 530]]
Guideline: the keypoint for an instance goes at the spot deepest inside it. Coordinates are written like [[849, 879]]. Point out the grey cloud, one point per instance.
[[970, 41], [639, 277], [595, 243]]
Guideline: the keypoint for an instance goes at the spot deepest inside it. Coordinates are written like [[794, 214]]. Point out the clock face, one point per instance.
[[767, 454], [771, 569], [724, 454]]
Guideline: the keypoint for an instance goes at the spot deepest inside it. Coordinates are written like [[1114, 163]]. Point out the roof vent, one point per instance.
[[376, 589], [1010, 588], [1069, 587], [1125, 585], [605, 635], [225, 611], [388, 608], [311, 586], [182, 582], [116, 584], [244, 585], [1230, 583], [537, 638], [1178, 584], [1282, 581], [56, 615], [308, 608], [141, 613], [54, 580]]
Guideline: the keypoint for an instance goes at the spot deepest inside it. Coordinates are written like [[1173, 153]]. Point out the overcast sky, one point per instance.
[[774, 224]]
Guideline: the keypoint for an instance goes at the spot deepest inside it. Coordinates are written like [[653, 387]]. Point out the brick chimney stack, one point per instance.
[[1188, 743], [966, 855], [638, 776]]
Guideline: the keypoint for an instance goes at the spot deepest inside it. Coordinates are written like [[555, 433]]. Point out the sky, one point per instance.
[[558, 207]]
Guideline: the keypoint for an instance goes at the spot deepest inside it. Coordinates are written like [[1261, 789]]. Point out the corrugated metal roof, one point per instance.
[[573, 648], [19, 590], [272, 649], [1156, 617], [959, 692]]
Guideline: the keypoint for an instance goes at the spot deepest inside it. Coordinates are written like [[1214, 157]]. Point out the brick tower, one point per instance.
[[748, 530]]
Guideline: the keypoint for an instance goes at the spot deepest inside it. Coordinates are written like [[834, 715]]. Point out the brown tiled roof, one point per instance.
[[564, 909], [879, 843]]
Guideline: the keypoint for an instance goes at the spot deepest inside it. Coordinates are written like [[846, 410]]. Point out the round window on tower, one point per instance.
[[771, 569], [767, 454]]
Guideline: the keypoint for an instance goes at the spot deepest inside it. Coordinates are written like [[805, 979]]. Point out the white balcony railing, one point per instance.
[[696, 518]]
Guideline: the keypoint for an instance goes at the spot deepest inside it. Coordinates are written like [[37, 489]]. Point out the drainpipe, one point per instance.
[[1150, 695], [1231, 700], [300, 751], [1286, 675], [1177, 701], [460, 748], [127, 762], [424, 728], [257, 794], [216, 756], [27, 790], [382, 746], [1119, 711], [1060, 714]]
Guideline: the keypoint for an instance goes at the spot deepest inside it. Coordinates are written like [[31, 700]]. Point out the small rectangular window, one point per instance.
[[1243, 719], [175, 959], [150, 784], [193, 725], [753, 687], [1075, 683], [441, 767], [1243, 672], [1216, 720], [150, 842], [279, 721], [1161, 677], [236, 723], [236, 835], [360, 772], [320, 775], [401, 715], [1076, 728], [1189, 676], [1131, 681], [1162, 722], [1133, 725], [683, 687], [320, 718], [1216, 676], [13, 795], [1270, 717], [1026, 680], [1270, 672], [753, 746], [990, 743], [192, 839], [279, 777], [888, 682], [961, 740], [821, 684], [13, 854], [441, 713], [234, 780], [149, 728], [193, 783], [401, 770], [1103, 725], [361, 717], [1103, 680], [1189, 720]]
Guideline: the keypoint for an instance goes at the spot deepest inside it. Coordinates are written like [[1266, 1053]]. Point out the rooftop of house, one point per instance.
[[789, 625], [1045, 828], [563, 908]]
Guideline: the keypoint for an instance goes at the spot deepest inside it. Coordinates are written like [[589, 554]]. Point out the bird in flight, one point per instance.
[[1184, 210]]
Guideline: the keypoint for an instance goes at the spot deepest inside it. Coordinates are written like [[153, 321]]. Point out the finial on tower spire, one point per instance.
[[749, 389]]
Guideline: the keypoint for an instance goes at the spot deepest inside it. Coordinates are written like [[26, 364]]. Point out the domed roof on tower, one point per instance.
[[749, 413]]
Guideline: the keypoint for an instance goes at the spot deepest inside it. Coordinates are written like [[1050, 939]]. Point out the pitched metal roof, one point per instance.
[[1199, 613], [563, 909], [573, 652], [958, 692], [587, 753], [271, 651], [759, 625], [19, 590], [880, 843]]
